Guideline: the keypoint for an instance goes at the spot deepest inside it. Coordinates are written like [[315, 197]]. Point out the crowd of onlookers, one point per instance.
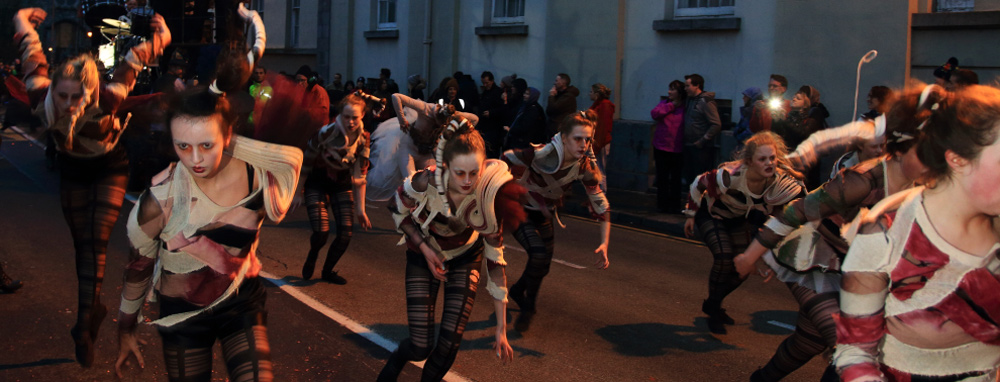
[[511, 114]]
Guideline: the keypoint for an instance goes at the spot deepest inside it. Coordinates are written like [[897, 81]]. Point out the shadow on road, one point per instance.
[[41, 362], [657, 339]]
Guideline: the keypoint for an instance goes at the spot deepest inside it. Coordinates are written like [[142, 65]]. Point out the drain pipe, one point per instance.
[[427, 42]]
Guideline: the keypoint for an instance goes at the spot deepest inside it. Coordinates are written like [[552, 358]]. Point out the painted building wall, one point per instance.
[[820, 43], [730, 61]]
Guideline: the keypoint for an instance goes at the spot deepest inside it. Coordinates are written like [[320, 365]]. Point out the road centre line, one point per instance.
[[347, 322], [554, 260], [782, 325]]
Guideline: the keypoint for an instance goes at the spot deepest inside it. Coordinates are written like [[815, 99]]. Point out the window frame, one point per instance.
[[506, 20], [727, 10], [946, 8], [388, 25]]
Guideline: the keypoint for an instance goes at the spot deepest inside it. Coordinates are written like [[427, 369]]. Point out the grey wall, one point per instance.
[[819, 43]]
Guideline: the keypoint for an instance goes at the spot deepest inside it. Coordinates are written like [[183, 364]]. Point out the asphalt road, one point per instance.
[[639, 320]]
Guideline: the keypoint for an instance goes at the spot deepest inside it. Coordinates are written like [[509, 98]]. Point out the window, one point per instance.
[[293, 27], [690, 8], [955, 5], [507, 12], [386, 14]]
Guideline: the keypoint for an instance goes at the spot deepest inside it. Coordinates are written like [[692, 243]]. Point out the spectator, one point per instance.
[[386, 75], [507, 87], [315, 102], [415, 86], [172, 81], [515, 97], [491, 115], [260, 90], [701, 125], [775, 107], [562, 102], [529, 124], [349, 87], [817, 110], [942, 75], [799, 124], [961, 78], [602, 135], [450, 96], [467, 91], [441, 91], [335, 91], [879, 99], [668, 148], [751, 96]]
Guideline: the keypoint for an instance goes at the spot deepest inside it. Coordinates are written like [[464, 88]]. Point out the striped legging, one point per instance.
[[537, 237], [815, 332], [421, 296], [340, 199], [91, 199], [725, 238]]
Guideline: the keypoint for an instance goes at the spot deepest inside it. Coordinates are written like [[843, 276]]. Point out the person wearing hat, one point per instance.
[[415, 86], [751, 96], [942, 75]]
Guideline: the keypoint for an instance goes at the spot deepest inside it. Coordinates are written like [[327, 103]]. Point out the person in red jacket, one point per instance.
[[605, 119]]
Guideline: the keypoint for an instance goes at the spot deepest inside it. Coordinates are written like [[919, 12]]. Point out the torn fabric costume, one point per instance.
[[336, 162], [541, 171], [930, 291], [727, 215], [463, 235], [397, 154], [807, 252], [93, 166]]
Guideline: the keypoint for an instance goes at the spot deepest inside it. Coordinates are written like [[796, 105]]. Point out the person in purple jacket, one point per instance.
[[668, 148]]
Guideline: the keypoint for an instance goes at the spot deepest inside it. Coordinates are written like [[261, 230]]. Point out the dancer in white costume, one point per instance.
[[405, 143]]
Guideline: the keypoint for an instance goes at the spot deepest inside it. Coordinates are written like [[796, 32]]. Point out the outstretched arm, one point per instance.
[[496, 285], [34, 66]]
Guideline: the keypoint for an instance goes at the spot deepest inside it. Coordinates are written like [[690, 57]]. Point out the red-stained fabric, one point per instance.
[[860, 370], [509, 205], [859, 330], [920, 260], [284, 119], [17, 89], [979, 287], [894, 375]]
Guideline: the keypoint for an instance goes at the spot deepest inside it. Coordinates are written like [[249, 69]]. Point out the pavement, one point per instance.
[[639, 320]]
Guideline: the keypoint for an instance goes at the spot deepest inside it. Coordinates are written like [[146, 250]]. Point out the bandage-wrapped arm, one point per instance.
[[496, 278], [258, 33], [144, 225], [34, 66], [705, 184], [861, 321], [807, 154], [839, 196], [359, 171], [140, 56], [591, 179], [405, 201]]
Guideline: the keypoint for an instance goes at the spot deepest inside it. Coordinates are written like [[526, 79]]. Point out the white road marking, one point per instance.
[[311, 302], [28, 137], [557, 261], [346, 322], [782, 325]]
